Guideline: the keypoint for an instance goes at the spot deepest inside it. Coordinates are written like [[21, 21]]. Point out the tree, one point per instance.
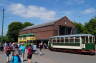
[[25, 24], [91, 26], [13, 31], [5, 39], [79, 27]]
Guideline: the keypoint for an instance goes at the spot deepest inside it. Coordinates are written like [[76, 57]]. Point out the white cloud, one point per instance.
[[89, 11], [31, 11]]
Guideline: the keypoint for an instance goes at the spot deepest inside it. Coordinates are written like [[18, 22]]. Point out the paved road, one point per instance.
[[58, 57]]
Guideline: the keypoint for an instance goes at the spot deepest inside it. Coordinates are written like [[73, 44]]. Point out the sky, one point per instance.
[[42, 11]]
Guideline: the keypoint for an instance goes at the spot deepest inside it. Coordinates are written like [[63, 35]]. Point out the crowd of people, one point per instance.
[[15, 52]]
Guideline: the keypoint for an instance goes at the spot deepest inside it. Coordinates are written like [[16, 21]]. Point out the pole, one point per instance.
[[2, 25]]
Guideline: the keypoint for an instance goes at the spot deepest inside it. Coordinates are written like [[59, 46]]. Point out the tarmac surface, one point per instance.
[[56, 57]]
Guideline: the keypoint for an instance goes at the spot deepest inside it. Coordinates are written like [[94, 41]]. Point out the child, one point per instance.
[[15, 58]]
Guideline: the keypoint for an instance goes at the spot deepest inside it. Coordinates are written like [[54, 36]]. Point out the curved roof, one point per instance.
[[74, 35]]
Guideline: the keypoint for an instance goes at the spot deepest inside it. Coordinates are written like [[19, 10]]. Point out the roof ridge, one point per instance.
[[44, 24]]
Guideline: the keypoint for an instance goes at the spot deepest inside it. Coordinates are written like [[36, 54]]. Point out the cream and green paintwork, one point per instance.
[[80, 45], [26, 37]]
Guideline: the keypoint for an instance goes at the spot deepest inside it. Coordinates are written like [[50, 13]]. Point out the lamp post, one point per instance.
[[2, 25]]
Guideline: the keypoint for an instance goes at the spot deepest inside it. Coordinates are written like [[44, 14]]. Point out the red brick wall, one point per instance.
[[41, 33], [45, 34], [47, 31]]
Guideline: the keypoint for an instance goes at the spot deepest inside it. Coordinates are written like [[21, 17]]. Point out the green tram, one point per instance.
[[78, 43]]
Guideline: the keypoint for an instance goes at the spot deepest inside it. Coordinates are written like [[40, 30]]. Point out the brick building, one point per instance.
[[62, 26]]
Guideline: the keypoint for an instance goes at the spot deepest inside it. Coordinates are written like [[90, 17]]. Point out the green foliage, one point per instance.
[[91, 26], [13, 31], [4, 39], [25, 24], [79, 27]]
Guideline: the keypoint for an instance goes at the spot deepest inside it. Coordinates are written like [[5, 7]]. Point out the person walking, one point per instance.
[[34, 47], [22, 49], [7, 50], [29, 53], [40, 48]]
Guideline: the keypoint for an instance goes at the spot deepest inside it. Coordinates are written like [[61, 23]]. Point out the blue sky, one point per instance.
[[41, 11]]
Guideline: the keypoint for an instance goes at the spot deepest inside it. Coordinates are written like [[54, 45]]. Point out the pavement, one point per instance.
[[56, 57]]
